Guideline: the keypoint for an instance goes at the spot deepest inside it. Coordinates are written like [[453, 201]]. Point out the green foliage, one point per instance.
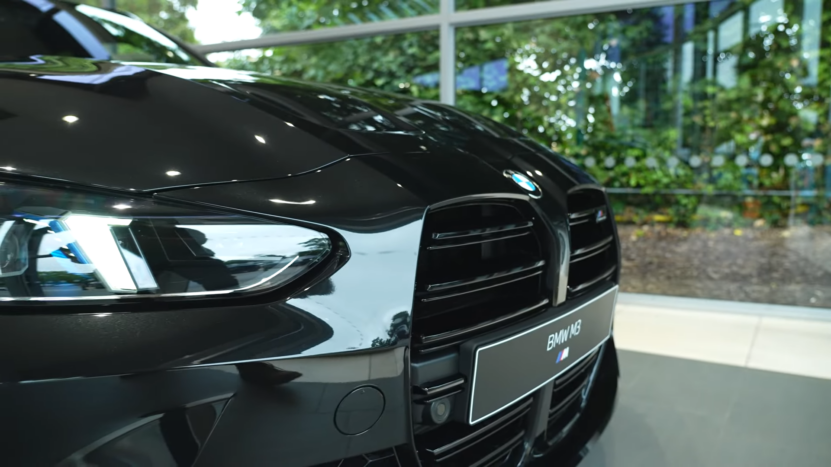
[[612, 93], [381, 62], [641, 105], [293, 15], [356, 62]]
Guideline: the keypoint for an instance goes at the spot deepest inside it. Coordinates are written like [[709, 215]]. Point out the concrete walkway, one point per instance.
[[791, 340]]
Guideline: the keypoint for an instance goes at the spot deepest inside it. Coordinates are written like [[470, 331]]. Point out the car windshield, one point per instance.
[[41, 27]]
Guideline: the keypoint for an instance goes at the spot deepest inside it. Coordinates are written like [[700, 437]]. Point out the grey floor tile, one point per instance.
[[632, 365], [791, 412], [644, 434], [699, 387], [743, 450], [681, 413], [769, 388], [628, 442]]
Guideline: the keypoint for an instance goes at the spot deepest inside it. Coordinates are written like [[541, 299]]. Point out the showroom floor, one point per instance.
[[673, 412], [748, 390]]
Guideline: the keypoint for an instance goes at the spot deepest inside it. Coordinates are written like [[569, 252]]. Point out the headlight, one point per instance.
[[57, 245]]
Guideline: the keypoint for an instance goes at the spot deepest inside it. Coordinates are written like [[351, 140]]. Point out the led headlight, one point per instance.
[[61, 246]]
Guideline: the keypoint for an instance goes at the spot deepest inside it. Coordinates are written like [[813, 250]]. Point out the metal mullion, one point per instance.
[[551, 9], [353, 31], [478, 17], [447, 54]]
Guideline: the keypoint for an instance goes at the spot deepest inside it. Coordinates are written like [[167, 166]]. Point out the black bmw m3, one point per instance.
[[206, 267]]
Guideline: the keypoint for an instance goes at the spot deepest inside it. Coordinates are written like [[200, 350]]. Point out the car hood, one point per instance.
[[152, 127]]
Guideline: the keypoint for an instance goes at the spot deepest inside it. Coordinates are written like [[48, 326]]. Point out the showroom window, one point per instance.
[[409, 66], [280, 15], [708, 122], [473, 4], [211, 21]]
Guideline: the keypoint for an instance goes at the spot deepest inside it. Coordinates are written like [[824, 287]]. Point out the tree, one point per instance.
[[637, 97]]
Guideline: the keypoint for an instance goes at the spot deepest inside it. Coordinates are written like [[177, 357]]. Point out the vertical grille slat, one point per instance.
[[464, 333], [474, 280], [492, 238]]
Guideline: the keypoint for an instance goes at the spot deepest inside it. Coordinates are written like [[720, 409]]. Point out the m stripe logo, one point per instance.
[[562, 355]]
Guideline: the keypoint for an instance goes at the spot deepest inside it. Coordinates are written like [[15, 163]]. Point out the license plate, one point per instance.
[[509, 369]]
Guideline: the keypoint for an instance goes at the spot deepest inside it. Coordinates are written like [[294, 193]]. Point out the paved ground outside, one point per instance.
[[764, 265]]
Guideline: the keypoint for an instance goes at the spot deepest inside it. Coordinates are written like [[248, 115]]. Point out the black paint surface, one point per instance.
[[86, 380]]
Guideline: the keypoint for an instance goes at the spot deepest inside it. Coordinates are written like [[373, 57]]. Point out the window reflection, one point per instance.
[[328, 105], [135, 40], [65, 29], [57, 246]]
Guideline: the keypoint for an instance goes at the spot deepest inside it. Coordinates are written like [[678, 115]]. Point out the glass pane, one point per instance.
[[709, 123], [473, 4], [403, 63], [280, 15], [208, 22]]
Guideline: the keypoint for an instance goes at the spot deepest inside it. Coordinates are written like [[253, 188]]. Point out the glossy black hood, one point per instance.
[[149, 127]]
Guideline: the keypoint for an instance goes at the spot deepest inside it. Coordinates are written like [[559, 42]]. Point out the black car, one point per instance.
[[206, 267]]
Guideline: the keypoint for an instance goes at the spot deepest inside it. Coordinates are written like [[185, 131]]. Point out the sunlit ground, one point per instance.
[[788, 266]]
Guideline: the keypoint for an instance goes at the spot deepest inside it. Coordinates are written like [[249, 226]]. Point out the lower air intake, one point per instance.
[[493, 442], [568, 398]]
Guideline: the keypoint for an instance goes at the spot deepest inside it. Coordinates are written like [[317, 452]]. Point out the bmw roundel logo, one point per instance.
[[524, 182]]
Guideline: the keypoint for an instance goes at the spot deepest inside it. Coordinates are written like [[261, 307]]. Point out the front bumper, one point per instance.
[[596, 415], [569, 448], [252, 414]]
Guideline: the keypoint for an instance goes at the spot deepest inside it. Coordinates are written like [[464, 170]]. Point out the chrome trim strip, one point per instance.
[[429, 391], [430, 400], [564, 243], [585, 213], [590, 255], [593, 246], [597, 279], [478, 242], [486, 277], [460, 332], [499, 284], [485, 231]]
